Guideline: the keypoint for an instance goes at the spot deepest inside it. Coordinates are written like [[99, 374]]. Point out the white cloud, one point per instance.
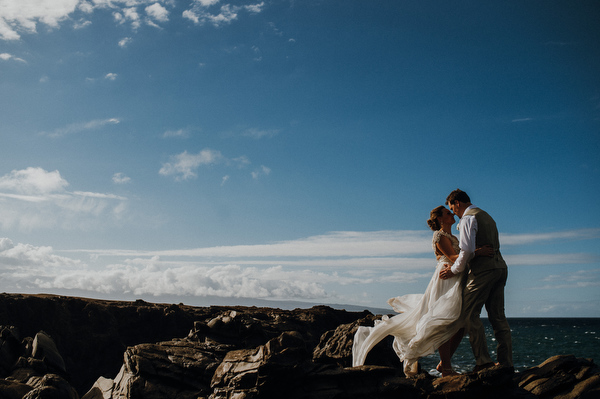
[[157, 12], [24, 15], [120, 178], [81, 127], [192, 16], [86, 7], [200, 15], [227, 14], [262, 171], [378, 246], [81, 24], [7, 32], [181, 133], [576, 276], [110, 76], [33, 181], [184, 165], [523, 239], [393, 250], [549, 259], [207, 3], [240, 162], [255, 8], [125, 42], [318, 268], [260, 133], [98, 195], [34, 198], [577, 279], [26, 255], [128, 14], [6, 57], [154, 279], [39, 268]]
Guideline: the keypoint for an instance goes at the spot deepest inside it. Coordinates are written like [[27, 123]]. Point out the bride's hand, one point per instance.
[[486, 250], [446, 272]]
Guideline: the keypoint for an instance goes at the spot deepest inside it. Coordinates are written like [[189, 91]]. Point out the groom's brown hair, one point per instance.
[[458, 195]]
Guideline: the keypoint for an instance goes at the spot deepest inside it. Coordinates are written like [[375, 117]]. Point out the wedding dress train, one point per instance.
[[425, 321]]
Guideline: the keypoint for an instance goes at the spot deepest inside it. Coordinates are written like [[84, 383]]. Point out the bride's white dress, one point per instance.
[[425, 321]]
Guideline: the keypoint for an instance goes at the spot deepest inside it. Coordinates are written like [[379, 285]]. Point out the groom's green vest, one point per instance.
[[487, 234]]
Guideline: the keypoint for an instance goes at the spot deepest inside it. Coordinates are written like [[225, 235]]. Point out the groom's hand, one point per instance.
[[446, 272]]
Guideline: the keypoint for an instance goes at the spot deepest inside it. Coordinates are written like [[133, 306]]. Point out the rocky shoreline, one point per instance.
[[69, 347]]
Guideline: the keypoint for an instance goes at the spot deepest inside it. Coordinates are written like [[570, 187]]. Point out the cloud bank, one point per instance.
[[313, 269], [34, 198]]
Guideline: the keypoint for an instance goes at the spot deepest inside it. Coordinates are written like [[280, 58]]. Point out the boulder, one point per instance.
[[174, 369], [102, 389], [32, 368], [265, 371], [45, 349], [13, 390], [335, 346], [10, 348], [50, 386], [564, 377]]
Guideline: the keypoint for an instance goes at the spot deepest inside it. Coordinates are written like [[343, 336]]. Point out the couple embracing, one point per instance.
[[470, 273]]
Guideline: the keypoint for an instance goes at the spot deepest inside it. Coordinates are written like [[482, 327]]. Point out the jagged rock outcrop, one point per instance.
[[335, 346], [562, 377], [33, 368], [231, 353]]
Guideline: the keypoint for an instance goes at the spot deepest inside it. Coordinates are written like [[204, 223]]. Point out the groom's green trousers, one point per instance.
[[487, 288]]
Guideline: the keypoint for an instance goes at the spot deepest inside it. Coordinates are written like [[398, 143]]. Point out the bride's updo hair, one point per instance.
[[433, 222]]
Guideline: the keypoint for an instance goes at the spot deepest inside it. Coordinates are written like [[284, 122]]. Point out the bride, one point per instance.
[[426, 322]]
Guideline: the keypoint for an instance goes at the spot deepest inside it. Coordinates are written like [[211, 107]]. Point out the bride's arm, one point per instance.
[[445, 247]]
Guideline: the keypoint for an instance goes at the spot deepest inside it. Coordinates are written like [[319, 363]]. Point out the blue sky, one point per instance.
[[209, 151]]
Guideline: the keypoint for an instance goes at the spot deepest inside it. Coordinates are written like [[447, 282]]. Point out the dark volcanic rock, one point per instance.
[[50, 386], [335, 346], [565, 377], [92, 335], [138, 350]]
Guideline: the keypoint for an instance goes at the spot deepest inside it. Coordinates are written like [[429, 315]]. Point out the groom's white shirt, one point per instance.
[[467, 228]]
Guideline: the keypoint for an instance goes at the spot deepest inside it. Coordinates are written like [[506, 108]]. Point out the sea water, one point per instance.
[[534, 340]]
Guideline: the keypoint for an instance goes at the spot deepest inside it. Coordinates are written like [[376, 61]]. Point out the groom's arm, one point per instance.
[[467, 243]]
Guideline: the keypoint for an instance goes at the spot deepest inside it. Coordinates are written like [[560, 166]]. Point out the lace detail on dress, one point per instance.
[[437, 235]]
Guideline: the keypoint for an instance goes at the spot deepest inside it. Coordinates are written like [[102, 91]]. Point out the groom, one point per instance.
[[485, 280]]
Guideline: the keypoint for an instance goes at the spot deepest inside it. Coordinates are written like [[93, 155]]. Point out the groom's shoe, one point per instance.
[[480, 367]]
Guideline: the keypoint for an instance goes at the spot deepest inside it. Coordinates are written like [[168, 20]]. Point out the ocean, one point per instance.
[[534, 341]]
